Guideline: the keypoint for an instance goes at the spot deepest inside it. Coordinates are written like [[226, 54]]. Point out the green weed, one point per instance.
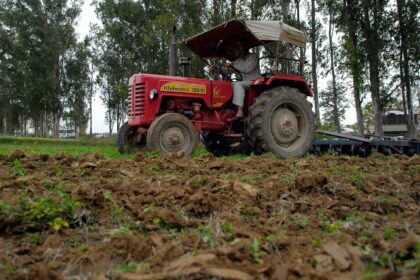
[[256, 251], [58, 171], [316, 243], [198, 181], [370, 273], [303, 223], [228, 228], [389, 233], [17, 169], [126, 267], [329, 227], [357, 179], [164, 225], [207, 235], [246, 212], [35, 239], [7, 268], [118, 216], [83, 248]]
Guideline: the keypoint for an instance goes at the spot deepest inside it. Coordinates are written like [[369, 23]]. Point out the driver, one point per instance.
[[246, 64]]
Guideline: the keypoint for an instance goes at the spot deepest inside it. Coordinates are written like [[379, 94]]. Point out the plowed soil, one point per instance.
[[329, 217]]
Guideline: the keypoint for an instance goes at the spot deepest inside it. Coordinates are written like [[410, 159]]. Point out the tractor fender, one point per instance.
[[293, 81]]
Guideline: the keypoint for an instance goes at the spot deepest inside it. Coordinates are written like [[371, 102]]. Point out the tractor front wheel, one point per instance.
[[281, 121], [172, 133], [129, 140]]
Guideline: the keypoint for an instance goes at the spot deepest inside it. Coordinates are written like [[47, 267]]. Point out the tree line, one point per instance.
[[366, 50]]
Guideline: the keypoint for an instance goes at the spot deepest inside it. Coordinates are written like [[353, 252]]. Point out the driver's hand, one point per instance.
[[213, 68]]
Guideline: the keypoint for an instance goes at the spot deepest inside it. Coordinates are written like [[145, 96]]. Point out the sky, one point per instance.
[[88, 17]]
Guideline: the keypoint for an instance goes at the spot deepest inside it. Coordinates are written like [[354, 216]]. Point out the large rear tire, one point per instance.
[[281, 121], [172, 133], [129, 140]]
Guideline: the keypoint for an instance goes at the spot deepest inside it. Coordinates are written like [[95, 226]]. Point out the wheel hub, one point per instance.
[[173, 139], [284, 126]]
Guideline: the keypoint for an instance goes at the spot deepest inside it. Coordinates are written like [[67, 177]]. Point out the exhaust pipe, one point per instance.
[[172, 54]]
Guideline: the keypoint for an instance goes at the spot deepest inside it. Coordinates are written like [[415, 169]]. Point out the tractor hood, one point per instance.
[[213, 43]]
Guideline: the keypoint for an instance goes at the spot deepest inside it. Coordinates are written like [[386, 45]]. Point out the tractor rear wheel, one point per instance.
[[129, 140], [281, 121], [172, 133]]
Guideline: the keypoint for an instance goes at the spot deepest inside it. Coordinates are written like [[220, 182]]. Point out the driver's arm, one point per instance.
[[227, 70]]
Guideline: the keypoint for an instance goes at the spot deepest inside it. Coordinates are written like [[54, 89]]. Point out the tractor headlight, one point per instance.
[[153, 94]]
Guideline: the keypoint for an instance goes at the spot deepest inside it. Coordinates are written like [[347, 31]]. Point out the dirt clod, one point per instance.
[[17, 154], [308, 181]]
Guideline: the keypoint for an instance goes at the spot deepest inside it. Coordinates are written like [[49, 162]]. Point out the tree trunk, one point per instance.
[[403, 85], [233, 8], [355, 67], [285, 12], [56, 124], [314, 61], [403, 34], [90, 104], [334, 82], [373, 62], [302, 54], [4, 123]]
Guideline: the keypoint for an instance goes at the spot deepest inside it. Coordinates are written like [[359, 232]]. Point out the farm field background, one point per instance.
[[74, 209]]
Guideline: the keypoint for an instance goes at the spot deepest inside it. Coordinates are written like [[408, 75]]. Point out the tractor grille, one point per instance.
[[136, 99]]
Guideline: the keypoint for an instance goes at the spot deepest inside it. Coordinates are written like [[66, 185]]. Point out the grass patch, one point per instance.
[[32, 145]]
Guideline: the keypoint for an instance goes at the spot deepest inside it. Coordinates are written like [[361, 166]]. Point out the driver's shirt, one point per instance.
[[248, 66]]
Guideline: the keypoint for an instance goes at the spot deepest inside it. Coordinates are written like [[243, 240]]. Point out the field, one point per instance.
[[78, 210]]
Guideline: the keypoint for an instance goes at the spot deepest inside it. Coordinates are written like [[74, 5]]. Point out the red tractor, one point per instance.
[[171, 114]]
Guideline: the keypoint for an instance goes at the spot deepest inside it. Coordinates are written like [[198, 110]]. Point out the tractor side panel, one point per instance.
[[142, 109]]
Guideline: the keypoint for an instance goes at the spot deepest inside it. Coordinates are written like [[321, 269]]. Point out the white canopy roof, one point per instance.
[[214, 42], [277, 31]]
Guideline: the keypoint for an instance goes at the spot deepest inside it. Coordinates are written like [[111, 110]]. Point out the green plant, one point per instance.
[[58, 223], [83, 248], [58, 171], [228, 228], [329, 227], [207, 235], [357, 179], [35, 239], [17, 169], [198, 181], [246, 212], [317, 243], [7, 268], [119, 216], [389, 233], [48, 184], [256, 250], [131, 266], [126, 267], [370, 273], [55, 209], [121, 231], [154, 169], [7, 208], [303, 223]]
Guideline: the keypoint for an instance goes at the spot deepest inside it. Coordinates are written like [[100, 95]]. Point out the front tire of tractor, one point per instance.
[[281, 121], [129, 140], [172, 133]]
